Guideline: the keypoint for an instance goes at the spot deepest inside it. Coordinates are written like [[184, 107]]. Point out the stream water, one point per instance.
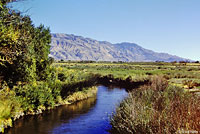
[[90, 116]]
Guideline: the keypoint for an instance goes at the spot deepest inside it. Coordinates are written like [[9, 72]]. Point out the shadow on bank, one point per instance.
[[50, 119]]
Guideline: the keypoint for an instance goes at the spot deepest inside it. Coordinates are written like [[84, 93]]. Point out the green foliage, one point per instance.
[[70, 76], [42, 49], [8, 36], [35, 95], [8, 103], [24, 65], [24, 48], [136, 71]]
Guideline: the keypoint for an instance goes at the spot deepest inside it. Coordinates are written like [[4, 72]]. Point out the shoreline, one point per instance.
[[90, 91], [75, 97]]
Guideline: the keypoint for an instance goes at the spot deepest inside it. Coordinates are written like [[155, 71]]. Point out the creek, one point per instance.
[[89, 116]]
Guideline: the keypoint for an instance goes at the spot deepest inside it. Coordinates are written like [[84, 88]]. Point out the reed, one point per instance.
[[157, 108]]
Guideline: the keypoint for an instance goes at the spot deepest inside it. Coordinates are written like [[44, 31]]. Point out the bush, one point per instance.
[[35, 95], [157, 108], [9, 107], [8, 104]]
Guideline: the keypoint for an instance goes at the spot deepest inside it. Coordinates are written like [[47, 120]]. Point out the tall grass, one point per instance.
[[157, 108]]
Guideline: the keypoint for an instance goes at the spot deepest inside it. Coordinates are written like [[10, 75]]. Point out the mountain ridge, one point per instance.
[[73, 47]]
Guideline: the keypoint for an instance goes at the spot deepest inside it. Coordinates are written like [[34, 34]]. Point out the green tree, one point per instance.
[[42, 50], [24, 48]]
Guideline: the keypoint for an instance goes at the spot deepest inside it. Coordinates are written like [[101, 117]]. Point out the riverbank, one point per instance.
[[69, 91], [157, 108], [90, 116], [73, 98]]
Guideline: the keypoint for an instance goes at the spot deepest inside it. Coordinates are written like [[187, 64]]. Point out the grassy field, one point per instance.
[[185, 75]]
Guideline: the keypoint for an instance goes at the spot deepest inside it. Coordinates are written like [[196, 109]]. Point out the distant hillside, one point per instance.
[[71, 47]]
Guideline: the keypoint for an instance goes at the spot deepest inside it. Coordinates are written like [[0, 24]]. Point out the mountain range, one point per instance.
[[72, 47]]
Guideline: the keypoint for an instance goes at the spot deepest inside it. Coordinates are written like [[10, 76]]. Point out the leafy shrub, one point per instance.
[[56, 87], [9, 104], [35, 95]]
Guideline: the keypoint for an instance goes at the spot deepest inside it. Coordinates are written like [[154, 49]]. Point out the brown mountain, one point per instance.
[[72, 47]]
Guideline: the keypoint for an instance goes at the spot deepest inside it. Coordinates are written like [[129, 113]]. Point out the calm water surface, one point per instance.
[[90, 116]]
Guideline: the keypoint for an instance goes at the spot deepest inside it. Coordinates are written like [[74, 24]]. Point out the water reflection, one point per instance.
[[41, 124], [85, 117]]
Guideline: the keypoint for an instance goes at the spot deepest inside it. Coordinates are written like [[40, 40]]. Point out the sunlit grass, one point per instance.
[[157, 108]]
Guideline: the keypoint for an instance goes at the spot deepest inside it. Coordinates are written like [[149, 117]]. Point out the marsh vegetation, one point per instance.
[[167, 103], [157, 108]]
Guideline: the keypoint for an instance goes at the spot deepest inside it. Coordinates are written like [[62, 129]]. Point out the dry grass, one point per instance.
[[81, 95], [157, 108]]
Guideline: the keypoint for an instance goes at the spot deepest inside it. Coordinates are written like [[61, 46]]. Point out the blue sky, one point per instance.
[[171, 26]]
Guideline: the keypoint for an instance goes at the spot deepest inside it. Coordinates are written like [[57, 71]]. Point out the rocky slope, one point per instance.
[[71, 47]]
